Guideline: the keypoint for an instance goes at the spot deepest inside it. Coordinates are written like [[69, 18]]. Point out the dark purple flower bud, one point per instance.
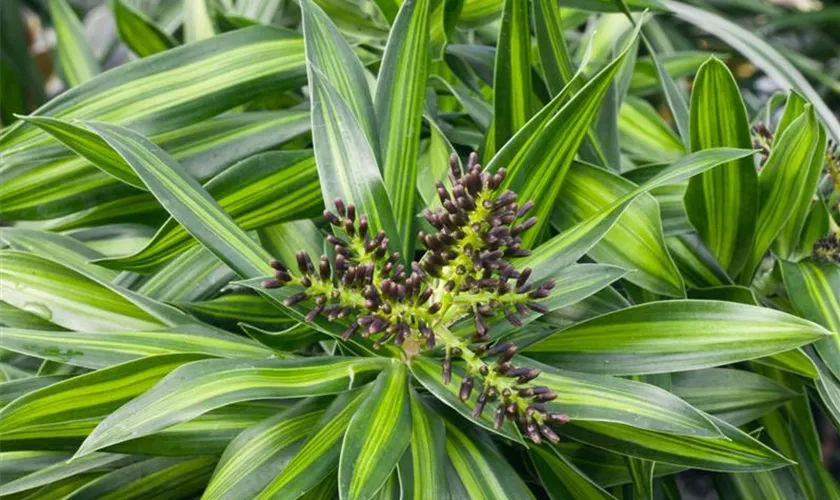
[[506, 198], [277, 265], [350, 330], [531, 430], [557, 418], [339, 206], [271, 284], [548, 433], [324, 268], [304, 262], [513, 319], [499, 419], [546, 396], [454, 167], [447, 371], [434, 308], [507, 354], [537, 307], [331, 218], [349, 228], [294, 299], [525, 208], [480, 325], [363, 226], [479, 405], [531, 375], [311, 315], [466, 388]]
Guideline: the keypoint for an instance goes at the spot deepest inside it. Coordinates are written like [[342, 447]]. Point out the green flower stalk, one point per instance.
[[465, 272]]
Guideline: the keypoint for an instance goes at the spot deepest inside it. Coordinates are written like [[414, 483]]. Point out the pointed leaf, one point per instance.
[[722, 202], [141, 34], [75, 55], [400, 92], [377, 436], [422, 470], [202, 386], [512, 101], [562, 479], [675, 335]]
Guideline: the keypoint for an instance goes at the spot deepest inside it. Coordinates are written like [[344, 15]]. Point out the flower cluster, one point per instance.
[[827, 249], [464, 273], [762, 141]]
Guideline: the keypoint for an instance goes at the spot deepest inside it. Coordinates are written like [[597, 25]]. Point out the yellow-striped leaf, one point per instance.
[[722, 202], [102, 349], [400, 92], [814, 289], [636, 242], [265, 189], [540, 173], [256, 456], [512, 94], [481, 470], [89, 396], [675, 335], [198, 23], [562, 479], [172, 89], [75, 55], [422, 468], [377, 436], [199, 387], [781, 182], [319, 455]]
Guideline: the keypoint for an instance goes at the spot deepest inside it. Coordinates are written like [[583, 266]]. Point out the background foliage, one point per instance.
[[155, 155]]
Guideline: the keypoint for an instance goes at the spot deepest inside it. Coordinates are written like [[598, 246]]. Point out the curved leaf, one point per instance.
[[169, 90], [722, 202], [675, 335], [781, 183], [562, 479], [88, 396], [264, 189], [202, 386], [102, 349], [75, 55], [400, 92], [140, 33], [319, 455], [736, 396], [422, 469], [377, 436], [257, 455]]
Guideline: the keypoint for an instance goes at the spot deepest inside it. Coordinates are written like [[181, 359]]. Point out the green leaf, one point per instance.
[[319, 455], [814, 289], [781, 184], [551, 44], [328, 54], [186, 200], [141, 34], [202, 386], [645, 135], [552, 150], [178, 477], [674, 335], [16, 464], [65, 297], [193, 275], [760, 53], [69, 183], [75, 55], [610, 5], [89, 396], [636, 241], [512, 94], [422, 469], [562, 479], [23, 84], [102, 349], [736, 451], [377, 435], [677, 64], [13, 389], [262, 190], [171, 89], [400, 91], [736, 396], [570, 245], [256, 456], [198, 23], [600, 398], [50, 475], [722, 202], [482, 470], [229, 310], [294, 337]]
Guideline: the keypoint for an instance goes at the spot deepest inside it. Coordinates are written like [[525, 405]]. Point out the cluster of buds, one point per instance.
[[827, 249], [762, 141], [465, 272]]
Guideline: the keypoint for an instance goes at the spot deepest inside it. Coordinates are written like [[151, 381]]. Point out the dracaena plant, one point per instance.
[[259, 258]]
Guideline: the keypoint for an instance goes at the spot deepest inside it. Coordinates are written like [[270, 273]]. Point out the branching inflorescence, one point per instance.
[[465, 272]]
